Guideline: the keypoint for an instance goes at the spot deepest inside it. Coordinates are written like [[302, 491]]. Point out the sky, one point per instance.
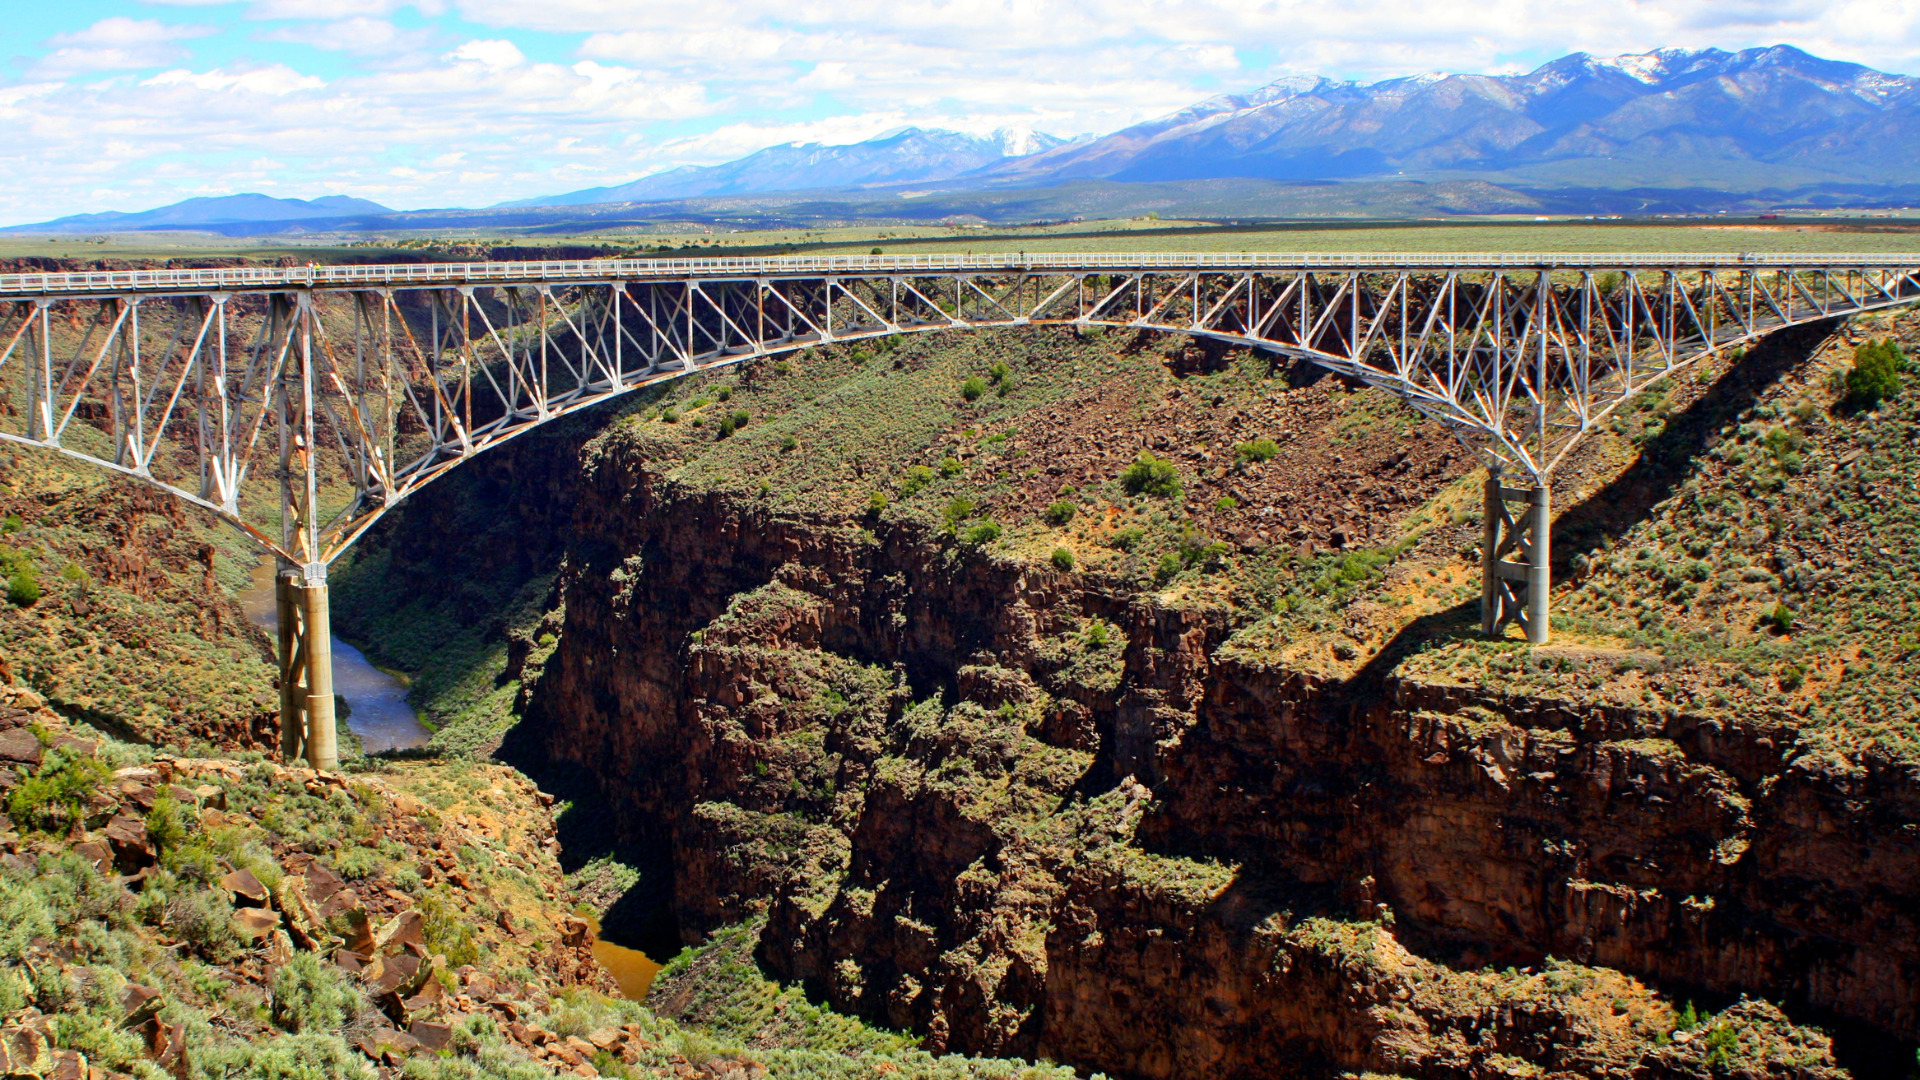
[[134, 104]]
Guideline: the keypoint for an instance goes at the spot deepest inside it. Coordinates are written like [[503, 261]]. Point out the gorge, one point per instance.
[[1229, 789]]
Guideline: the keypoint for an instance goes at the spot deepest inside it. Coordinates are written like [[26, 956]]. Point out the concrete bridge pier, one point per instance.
[[306, 671], [1516, 590]]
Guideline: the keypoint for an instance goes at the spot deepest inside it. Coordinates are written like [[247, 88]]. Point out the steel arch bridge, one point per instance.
[[333, 392]]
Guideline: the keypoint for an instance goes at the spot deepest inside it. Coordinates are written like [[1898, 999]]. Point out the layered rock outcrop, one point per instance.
[[1142, 850]]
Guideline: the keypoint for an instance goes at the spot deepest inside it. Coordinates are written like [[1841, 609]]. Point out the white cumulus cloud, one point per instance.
[[116, 43], [469, 102]]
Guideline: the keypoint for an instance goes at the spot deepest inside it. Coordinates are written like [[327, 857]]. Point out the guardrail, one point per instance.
[[337, 277]]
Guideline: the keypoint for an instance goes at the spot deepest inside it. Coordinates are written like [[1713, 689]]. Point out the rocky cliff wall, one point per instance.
[[971, 813]]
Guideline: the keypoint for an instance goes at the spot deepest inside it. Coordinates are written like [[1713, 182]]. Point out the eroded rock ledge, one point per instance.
[[1031, 812]]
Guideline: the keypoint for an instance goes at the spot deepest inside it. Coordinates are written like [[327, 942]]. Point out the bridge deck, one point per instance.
[[15, 287]]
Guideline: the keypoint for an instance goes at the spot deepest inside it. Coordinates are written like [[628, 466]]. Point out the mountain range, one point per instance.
[[1668, 130], [1758, 118], [214, 210], [908, 155]]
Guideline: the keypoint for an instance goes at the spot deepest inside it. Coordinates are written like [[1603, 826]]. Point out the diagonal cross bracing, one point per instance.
[[371, 381]]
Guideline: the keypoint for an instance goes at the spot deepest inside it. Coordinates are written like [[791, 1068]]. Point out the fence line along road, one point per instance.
[[270, 279]]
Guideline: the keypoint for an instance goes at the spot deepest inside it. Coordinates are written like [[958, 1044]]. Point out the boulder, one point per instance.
[[69, 1065], [25, 1051], [307, 928], [97, 853], [140, 1004], [407, 928], [254, 922], [244, 888], [21, 746], [132, 847]]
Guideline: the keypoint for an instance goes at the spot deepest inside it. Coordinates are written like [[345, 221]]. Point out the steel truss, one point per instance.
[[335, 392]]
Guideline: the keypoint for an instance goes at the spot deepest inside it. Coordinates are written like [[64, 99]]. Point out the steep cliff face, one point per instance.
[[1126, 855], [1257, 808]]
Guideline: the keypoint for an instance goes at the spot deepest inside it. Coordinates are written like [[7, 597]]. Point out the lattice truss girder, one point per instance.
[[343, 401]]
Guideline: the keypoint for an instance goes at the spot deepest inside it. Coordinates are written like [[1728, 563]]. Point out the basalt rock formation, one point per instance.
[[1682, 848], [1139, 824]]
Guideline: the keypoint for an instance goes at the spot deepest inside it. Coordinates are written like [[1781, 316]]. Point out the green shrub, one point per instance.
[[165, 824], [448, 932], [310, 1056], [788, 443], [918, 477], [950, 467], [1170, 564], [1126, 539], [311, 996], [973, 388], [12, 523], [1780, 618], [1721, 1043], [1060, 513], [23, 581], [204, 919], [876, 251], [732, 422], [669, 416], [1097, 634], [1261, 449], [23, 588], [998, 371], [1062, 559], [1150, 475], [1875, 376], [1227, 502], [24, 912], [782, 367], [957, 510], [1792, 677], [985, 532], [876, 502], [725, 393], [56, 795]]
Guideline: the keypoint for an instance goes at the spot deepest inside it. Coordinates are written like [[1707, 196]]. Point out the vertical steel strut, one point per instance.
[[1515, 363], [1517, 590]]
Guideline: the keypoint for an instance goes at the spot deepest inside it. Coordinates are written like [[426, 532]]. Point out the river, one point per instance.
[[377, 709]]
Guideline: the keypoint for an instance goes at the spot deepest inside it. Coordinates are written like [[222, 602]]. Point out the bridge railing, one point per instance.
[[402, 275]]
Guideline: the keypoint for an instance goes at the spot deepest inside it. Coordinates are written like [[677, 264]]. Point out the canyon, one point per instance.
[[1195, 822]]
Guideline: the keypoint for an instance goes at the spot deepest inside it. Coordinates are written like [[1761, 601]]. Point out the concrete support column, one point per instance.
[[323, 751], [1539, 563], [293, 663], [1493, 513], [1517, 589]]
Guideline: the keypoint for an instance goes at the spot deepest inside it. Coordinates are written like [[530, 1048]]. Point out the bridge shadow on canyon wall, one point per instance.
[[1664, 464]]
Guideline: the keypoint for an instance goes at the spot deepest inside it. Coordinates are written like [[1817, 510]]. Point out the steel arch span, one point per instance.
[[334, 392]]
